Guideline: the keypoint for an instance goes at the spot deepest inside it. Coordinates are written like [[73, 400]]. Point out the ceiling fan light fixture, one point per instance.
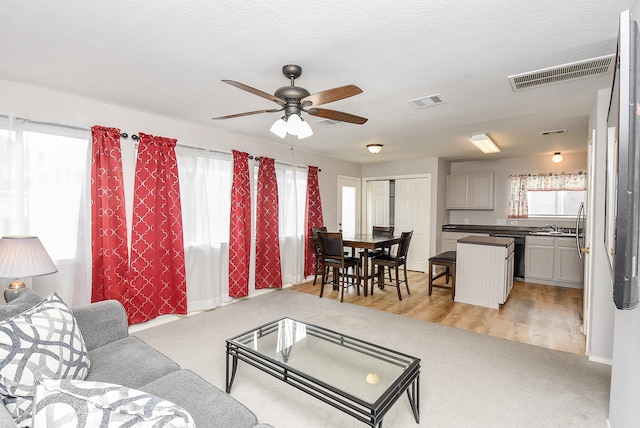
[[557, 157], [279, 127], [484, 143], [294, 124], [374, 148], [304, 130]]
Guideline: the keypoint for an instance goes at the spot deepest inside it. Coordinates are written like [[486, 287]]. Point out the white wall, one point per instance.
[[503, 168], [62, 108], [602, 307]]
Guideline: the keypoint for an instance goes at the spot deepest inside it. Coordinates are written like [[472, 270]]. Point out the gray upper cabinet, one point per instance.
[[470, 191]]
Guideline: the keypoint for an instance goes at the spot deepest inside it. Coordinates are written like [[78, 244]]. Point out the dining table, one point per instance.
[[368, 242]]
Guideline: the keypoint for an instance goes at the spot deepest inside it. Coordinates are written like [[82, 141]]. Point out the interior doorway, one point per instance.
[[349, 203]]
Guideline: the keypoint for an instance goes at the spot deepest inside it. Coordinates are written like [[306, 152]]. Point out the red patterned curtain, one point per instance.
[[157, 273], [268, 268], [240, 227], [312, 218], [109, 250]]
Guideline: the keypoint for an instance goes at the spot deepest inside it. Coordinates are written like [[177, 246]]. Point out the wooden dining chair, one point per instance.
[[385, 231], [332, 253], [378, 264], [316, 244]]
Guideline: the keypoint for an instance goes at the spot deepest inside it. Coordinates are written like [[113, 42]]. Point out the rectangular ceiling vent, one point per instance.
[[428, 101], [554, 132], [562, 73], [327, 122]]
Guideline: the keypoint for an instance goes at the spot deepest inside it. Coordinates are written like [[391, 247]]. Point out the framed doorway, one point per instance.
[[349, 204]]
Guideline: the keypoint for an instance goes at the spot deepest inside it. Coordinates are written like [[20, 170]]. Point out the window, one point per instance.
[[559, 203], [44, 180], [546, 195]]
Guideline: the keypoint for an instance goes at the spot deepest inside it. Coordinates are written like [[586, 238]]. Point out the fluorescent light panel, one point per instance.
[[484, 143]]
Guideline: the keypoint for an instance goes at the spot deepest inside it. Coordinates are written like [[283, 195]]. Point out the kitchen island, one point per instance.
[[484, 270]]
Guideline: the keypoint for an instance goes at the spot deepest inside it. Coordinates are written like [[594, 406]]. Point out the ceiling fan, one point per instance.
[[294, 100]]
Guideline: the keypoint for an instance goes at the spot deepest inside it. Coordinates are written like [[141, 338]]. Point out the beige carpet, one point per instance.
[[467, 380]]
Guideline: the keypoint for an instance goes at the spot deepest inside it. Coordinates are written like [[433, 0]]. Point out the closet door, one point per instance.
[[412, 212], [377, 204]]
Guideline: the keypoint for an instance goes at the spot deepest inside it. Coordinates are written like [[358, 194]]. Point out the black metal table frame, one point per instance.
[[371, 414]]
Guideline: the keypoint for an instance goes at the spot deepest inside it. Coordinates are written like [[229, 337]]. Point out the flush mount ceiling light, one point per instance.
[[294, 125], [557, 157], [484, 143], [374, 148]]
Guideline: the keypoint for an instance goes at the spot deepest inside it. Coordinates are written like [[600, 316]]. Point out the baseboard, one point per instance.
[[601, 360]]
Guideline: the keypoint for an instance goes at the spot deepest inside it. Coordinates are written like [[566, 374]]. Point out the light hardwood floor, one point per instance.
[[540, 315]]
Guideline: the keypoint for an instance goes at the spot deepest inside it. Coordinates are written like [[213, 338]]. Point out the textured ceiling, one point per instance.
[[169, 57]]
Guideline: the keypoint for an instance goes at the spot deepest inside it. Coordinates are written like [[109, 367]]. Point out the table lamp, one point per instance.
[[22, 257]]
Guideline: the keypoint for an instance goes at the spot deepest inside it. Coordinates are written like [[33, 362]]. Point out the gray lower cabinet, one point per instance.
[[553, 261], [450, 239]]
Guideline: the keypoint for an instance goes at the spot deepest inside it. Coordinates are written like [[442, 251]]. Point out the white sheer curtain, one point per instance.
[[43, 176], [205, 189], [292, 186]]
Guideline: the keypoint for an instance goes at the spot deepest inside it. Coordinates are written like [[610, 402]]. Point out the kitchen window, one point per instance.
[[560, 203], [546, 195]]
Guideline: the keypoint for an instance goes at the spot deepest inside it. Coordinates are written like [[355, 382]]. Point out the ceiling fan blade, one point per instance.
[[337, 115], [255, 91], [331, 95], [231, 116]]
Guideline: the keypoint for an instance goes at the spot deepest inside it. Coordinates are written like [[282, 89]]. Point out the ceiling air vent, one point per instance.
[[327, 122], [428, 101], [554, 132], [561, 73]]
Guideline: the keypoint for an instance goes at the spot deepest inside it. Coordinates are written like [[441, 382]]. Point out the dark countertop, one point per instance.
[[495, 241], [511, 230]]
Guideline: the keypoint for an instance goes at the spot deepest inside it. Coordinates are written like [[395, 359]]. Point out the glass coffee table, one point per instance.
[[361, 379]]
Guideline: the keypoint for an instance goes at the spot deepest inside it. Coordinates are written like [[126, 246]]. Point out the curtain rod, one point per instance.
[[257, 158], [135, 137]]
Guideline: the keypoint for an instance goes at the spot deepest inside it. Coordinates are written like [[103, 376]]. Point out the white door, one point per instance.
[[348, 204], [377, 204], [412, 212]]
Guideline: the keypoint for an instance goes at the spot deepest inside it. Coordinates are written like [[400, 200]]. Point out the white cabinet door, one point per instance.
[[480, 195], [539, 256], [569, 267], [553, 261], [457, 191], [470, 191]]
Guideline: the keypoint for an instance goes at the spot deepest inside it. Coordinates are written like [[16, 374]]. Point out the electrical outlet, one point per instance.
[[514, 222], [501, 221], [466, 221]]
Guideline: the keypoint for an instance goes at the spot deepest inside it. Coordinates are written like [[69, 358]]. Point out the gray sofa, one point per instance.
[[126, 360]]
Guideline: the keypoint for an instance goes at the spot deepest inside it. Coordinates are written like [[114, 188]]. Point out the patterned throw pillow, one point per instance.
[[43, 342], [75, 403]]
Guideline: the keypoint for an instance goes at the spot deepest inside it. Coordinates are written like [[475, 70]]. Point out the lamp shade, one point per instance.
[[23, 257], [279, 127], [304, 130]]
